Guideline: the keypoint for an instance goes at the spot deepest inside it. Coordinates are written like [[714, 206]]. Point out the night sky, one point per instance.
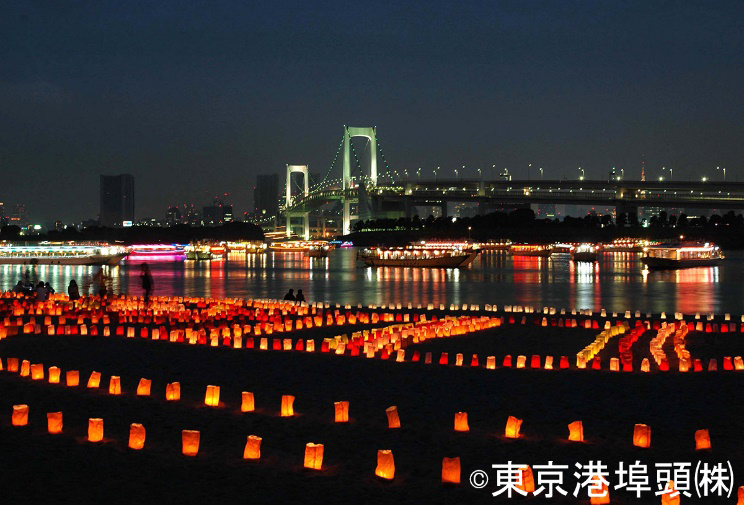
[[196, 98]]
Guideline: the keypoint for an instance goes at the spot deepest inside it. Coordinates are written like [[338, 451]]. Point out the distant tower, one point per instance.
[[643, 169]]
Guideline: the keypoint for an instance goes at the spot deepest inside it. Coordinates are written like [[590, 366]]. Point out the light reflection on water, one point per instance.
[[616, 282]]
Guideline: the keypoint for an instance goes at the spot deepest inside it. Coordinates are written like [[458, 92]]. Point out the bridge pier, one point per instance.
[[305, 224]]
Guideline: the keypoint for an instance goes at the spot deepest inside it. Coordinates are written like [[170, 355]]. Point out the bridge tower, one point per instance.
[[302, 169], [370, 133]]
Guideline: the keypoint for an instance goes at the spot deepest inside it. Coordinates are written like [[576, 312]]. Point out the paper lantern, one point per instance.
[[190, 442], [25, 368], [212, 398], [54, 422], [642, 435], [576, 431], [314, 456], [72, 378], [461, 421], [287, 405], [740, 496], [528, 480], [173, 391], [392, 415], [143, 388], [115, 385], [37, 371], [20, 415], [385, 464], [94, 380], [512, 427], [95, 429], [602, 496], [671, 495], [341, 412], [645, 365], [252, 448], [54, 375], [136, 436], [702, 440], [451, 470], [12, 364], [521, 361], [247, 404], [491, 362]]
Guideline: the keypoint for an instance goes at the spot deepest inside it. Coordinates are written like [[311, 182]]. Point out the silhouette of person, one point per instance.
[[290, 296], [147, 283], [300, 297]]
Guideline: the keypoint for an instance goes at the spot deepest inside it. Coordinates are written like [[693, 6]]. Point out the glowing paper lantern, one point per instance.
[[314, 456], [54, 422], [521, 361], [528, 480], [287, 406], [491, 362], [702, 440], [642, 435], [212, 397], [671, 495], [173, 391], [20, 415], [12, 364], [341, 414], [143, 388], [190, 442], [95, 429], [740, 496], [576, 431], [94, 380], [247, 404], [512, 427], [54, 375], [451, 470], [392, 415], [136, 436], [602, 496], [252, 448], [72, 378], [25, 368], [461, 421], [115, 385], [385, 464], [37, 371]]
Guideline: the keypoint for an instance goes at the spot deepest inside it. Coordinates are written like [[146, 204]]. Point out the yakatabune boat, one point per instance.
[[585, 252], [61, 254], [156, 249], [420, 255], [681, 256], [531, 250]]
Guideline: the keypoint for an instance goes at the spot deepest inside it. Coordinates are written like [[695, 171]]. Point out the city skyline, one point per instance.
[[193, 101]]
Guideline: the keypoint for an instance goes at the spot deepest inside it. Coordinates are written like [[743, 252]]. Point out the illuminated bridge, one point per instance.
[[377, 199]]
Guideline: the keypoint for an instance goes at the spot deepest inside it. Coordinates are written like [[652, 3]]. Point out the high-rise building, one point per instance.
[[266, 195], [117, 200], [19, 216], [172, 216], [217, 213]]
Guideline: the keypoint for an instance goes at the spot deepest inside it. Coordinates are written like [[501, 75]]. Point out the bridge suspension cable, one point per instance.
[[335, 157]]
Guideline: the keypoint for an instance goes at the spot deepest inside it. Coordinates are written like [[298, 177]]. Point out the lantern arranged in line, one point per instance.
[[252, 447], [115, 385], [314, 456], [136, 436], [37, 371], [212, 398], [740, 496], [95, 429], [287, 405], [512, 427], [527, 480], [461, 421], [601, 496], [20, 415], [702, 440], [190, 442], [54, 375], [25, 368], [642, 436], [385, 464], [94, 381], [247, 404], [451, 470], [12, 364], [576, 431], [143, 388], [72, 378], [341, 412], [173, 391], [671, 495], [54, 422], [393, 418]]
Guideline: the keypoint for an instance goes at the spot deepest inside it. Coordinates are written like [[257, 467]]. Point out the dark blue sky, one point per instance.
[[195, 98]]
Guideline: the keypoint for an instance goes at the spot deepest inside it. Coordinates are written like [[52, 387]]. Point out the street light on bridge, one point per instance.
[[541, 173], [435, 173], [724, 172], [581, 177], [480, 174]]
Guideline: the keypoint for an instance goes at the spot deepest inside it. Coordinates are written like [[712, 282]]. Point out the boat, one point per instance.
[[585, 252], [542, 250], [318, 251], [247, 246], [626, 245], [298, 245], [72, 254], [423, 255], [681, 256], [561, 248], [198, 251], [495, 245], [156, 250]]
